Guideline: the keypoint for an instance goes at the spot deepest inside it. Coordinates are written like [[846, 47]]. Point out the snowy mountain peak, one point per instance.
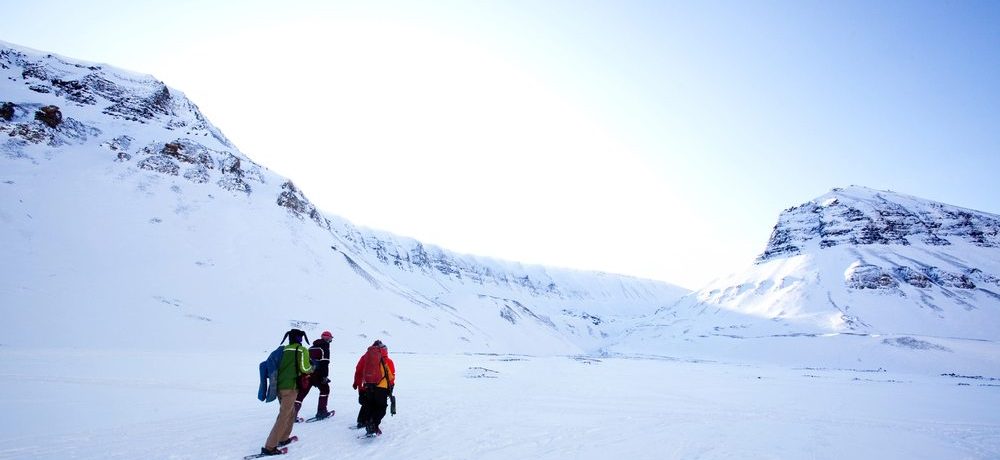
[[50, 102], [887, 270], [172, 223], [70, 85], [863, 216]]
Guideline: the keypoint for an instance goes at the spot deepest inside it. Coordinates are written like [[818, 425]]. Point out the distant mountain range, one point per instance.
[[126, 212]]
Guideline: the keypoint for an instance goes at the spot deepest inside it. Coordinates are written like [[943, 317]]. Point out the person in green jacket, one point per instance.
[[294, 363]]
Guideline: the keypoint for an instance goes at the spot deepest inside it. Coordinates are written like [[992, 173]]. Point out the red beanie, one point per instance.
[[326, 334]]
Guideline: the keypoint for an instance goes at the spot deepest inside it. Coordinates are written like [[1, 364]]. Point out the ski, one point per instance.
[[316, 419], [283, 450]]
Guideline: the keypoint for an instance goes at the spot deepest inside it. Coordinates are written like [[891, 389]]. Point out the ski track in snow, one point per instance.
[[536, 407]]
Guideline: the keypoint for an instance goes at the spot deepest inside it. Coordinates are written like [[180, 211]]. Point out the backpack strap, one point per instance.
[[385, 371], [298, 362]]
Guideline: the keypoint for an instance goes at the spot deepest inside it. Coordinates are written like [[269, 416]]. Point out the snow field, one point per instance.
[[120, 404]]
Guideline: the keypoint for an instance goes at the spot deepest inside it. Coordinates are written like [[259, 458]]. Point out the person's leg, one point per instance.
[[286, 416], [362, 412], [301, 396], [378, 406], [370, 403], [324, 393], [289, 417]]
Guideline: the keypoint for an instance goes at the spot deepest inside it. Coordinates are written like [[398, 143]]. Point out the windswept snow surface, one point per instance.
[[98, 404]]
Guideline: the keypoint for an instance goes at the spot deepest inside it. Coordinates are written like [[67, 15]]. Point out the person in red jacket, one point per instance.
[[374, 378]]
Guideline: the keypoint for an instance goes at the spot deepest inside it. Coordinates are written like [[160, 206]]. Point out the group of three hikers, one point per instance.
[[300, 369]]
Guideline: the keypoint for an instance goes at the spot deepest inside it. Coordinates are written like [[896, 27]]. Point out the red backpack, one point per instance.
[[371, 372]]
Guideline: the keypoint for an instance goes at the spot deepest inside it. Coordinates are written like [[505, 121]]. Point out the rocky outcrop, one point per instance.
[[140, 101], [7, 111], [119, 94], [42, 125], [861, 216], [187, 151], [29, 133], [120, 146], [142, 108], [195, 162], [46, 87], [75, 91], [233, 175], [948, 279], [913, 277], [291, 198], [160, 164], [50, 115], [864, 276], [167, 158]]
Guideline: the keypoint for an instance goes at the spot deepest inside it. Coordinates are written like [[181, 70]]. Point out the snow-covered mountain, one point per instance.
[[122, 207], [125, 213], [886, 273]]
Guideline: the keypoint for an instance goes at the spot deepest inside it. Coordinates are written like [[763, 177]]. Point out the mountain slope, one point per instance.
[[122, 205], [893, 276]]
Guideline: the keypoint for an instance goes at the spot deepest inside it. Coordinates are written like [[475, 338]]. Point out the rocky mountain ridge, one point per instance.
[[862, 216], [859, 217], [867, 272], [99, 127]]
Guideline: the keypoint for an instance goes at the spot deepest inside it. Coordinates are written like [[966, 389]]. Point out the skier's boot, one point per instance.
[[321, 405], [267, 452]]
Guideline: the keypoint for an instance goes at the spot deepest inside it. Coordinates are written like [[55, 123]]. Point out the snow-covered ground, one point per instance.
[[119, 404]]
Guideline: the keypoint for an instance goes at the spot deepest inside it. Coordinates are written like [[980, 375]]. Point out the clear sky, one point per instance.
[[657, 139]]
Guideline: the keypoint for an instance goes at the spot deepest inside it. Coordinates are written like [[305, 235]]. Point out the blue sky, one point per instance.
[[657, 139]]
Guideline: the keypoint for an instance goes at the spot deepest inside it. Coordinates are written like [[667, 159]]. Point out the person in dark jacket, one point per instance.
[[319, 354], [374, 378], [294, 362]]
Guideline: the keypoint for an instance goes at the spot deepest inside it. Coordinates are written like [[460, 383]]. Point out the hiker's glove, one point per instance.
[[354, 385]]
